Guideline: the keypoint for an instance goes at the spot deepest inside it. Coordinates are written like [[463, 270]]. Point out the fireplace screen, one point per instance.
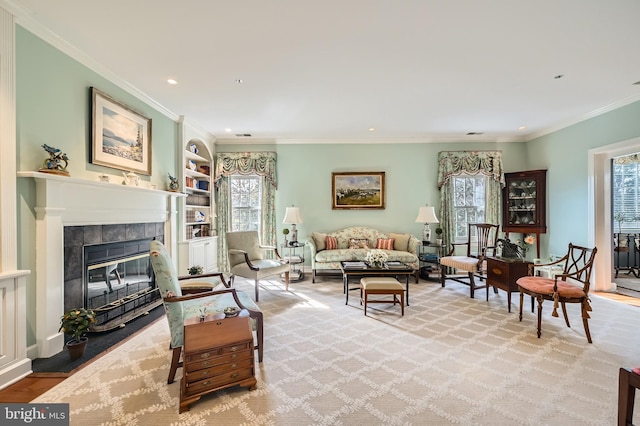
[[119, 282]]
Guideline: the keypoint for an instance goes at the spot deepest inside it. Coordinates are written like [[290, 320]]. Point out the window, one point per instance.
[[246, 202], [469, 202], [626, 193]]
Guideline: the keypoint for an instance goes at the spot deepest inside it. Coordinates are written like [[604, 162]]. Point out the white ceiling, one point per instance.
[[420, 70]]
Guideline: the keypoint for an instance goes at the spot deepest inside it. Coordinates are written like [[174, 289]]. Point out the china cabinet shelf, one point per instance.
[[524, 203]]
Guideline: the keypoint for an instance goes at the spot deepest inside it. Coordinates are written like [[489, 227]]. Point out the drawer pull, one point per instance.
[[234, 356], [496, 271], [234, 348], [234, 366], [204, 363], [234, 375], [206, 355], [205, 383], [219, 323]]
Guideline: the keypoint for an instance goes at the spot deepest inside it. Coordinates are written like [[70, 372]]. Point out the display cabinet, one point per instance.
[[524, 203], [196, 245], [197, 186]]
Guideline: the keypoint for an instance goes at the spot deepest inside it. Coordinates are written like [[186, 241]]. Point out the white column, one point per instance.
[[14, 363]]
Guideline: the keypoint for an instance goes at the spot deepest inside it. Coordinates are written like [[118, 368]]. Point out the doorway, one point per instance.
[[601, 218]]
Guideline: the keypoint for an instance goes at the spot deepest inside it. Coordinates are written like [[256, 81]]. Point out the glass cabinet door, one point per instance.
[[524, 197]]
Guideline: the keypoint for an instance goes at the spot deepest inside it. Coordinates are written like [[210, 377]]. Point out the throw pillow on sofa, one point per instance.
[[319, 239], [385, 243], [401, 241], [358, 243], [331, 243]]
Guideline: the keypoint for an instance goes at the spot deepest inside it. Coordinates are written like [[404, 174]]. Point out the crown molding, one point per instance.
[[595, 113], [25, 18], [363, 141]]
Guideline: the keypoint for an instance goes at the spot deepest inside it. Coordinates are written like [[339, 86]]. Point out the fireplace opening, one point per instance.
[[119, 284]]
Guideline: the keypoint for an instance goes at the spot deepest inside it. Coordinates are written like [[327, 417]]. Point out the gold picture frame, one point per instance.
[[358, 190], [120, 136]]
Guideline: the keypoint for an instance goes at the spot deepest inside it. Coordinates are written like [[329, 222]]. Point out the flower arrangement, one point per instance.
[[77, 322], [524, 244], [376, 257]]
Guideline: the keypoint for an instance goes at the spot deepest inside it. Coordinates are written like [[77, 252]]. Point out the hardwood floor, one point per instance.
[[31, 387]]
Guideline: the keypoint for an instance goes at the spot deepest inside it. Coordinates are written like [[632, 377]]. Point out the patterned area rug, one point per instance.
[[449, 360]]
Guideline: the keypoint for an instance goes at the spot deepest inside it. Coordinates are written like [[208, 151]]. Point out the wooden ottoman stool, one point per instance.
[[381, 285]]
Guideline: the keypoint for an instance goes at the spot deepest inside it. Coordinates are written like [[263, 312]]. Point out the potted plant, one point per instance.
[[77, 322], [439, 234], [285, 231], [196, 270]]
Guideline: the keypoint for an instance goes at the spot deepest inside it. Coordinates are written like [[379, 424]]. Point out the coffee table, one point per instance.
[[362, 269]]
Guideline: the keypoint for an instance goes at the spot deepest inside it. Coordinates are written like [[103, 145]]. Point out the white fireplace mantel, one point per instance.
[[64, 201]]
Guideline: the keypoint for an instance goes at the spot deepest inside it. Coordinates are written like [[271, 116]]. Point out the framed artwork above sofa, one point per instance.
[[358, 190]]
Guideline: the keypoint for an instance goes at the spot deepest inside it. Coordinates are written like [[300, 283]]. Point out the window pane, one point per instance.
[[246, 208], [625, 190], [468, 204]]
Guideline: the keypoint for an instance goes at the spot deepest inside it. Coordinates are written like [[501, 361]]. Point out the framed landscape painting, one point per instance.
[[358, 190], [120, 137]]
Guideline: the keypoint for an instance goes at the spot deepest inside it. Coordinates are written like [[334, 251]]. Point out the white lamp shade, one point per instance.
[[292, 216], [427, 214]]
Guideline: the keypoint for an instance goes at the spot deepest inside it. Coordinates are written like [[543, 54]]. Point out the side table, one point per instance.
[[503, 273], [294, 253], [429, 259], [217, 353]]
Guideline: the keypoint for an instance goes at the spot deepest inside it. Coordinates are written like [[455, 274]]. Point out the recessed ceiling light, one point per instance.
[[239, 81], [559, 76], [475, 133], [522, 127], [172, 81], [227, 130], [372, 129]]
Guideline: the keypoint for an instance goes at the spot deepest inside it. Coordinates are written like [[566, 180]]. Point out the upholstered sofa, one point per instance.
[[353, 243]]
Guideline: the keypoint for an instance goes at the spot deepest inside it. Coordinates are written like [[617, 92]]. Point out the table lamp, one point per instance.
[[292, 217], [426, 215]]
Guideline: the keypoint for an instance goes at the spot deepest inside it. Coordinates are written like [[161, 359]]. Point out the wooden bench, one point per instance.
[[381, 285]]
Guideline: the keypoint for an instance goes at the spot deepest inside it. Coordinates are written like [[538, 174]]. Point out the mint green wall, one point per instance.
[[53, 106], [564, 154], [304, 179]]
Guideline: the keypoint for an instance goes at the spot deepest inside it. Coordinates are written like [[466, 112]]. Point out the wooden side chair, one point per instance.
[[628, 382], [570, 286], [479, 245]]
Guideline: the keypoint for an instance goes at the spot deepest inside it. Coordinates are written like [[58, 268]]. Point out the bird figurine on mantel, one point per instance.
[[54, 164], [173, 184]]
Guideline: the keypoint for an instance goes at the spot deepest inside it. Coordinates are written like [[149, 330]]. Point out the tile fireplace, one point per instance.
[[69, 210], [106, 269]]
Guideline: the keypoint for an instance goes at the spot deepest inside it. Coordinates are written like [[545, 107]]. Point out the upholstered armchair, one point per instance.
[[481, 238], [179, 306], [246, 259]]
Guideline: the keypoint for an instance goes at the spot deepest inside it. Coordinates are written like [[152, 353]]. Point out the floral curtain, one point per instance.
[[245, 163], [455, 163]]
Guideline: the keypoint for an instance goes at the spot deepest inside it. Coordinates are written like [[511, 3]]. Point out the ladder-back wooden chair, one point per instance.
[[570, 286], [481, 238]]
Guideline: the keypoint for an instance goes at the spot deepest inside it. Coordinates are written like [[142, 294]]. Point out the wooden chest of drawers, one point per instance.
[[503, 273], [217, 353]]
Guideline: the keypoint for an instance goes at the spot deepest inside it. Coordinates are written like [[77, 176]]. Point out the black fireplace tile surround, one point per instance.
[[76, 237]]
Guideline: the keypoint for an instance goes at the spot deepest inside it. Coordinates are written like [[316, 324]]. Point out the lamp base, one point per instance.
[[426, 234]]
